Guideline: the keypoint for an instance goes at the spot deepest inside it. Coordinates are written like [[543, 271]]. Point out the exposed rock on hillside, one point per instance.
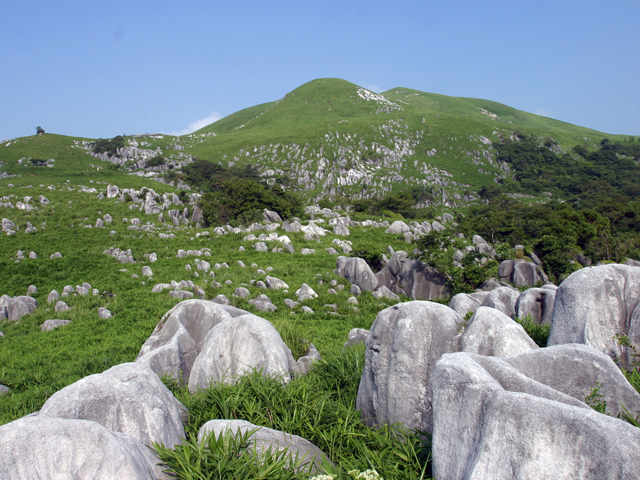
[[179, 337], [596, 306], [264, 439], [235, 347], [44, 447], [128, 398], [405, 276], [493, 417]]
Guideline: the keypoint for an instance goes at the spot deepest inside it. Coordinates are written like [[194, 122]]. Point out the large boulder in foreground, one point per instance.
[[596, 306], [499, 418], [179, 336], [237, 346], [128, 398], [264, 439], [402, 348], [405, 276], [57, 448], [357, 272]]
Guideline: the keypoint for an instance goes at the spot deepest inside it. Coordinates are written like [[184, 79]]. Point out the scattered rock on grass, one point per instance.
[[51, 324]]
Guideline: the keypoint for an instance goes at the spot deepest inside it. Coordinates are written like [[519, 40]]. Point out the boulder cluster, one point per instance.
[[496, 404], [102, 425]]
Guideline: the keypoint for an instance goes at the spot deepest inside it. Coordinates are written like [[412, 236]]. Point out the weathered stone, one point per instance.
[[305, 363], [275, 283], [128, 398], [32, 290], [237, 346], [521, 273], [53, 297], [355, 290], [491, 332], [536, 303], [465, 303], [595, 306], [147, 272], [402, 348], [398, 227], [265, 439], [103, 313], [61, 306], [525, 417], [39, 447], [51, 324], [222, 300], [357, 272], [503, 299], [241, 292], [291, 303], [384, 292], [340, 230], [405, 276], [356, 336], [20, 306], [179, 337], [271, 216]]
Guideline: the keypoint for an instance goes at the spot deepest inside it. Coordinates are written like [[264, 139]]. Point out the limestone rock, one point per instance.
[[238, 345], [179, 337], [384, 292], [503, 299], [41, 447], [271, 216], [61, 306], [398, 227], [405, 276], [306, 362], [522, 416], [538, 303], [521, 273], [264, 439], [104, 313], [274, 283], [402, 348], [128, 398], [596, 304], [464, 303], [51, 324], [356, 336], [357, 272], [491, 332]]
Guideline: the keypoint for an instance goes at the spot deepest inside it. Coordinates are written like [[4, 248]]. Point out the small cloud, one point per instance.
[[198, 124], [373, 88], [543, 112]]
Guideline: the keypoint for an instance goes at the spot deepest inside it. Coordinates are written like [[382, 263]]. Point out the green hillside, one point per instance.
[[330, 138]]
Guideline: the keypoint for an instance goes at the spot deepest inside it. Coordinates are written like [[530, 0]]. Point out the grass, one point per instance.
[[319, 407]]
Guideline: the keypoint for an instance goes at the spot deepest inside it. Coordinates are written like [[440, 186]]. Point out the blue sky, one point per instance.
[[99, 69]]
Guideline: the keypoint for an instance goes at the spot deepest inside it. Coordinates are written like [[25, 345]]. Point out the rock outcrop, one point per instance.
[[237, 346], [525, 417], [128, 398], [265, 439], [405, 276], [596, 306], [179, 337]]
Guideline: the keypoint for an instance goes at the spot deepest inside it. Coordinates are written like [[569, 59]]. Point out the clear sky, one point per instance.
[[99, 69]]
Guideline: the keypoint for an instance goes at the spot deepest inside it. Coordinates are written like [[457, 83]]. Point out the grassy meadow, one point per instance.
[[35, 364]]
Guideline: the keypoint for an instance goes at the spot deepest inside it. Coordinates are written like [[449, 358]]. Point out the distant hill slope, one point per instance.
[[331, 138]]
